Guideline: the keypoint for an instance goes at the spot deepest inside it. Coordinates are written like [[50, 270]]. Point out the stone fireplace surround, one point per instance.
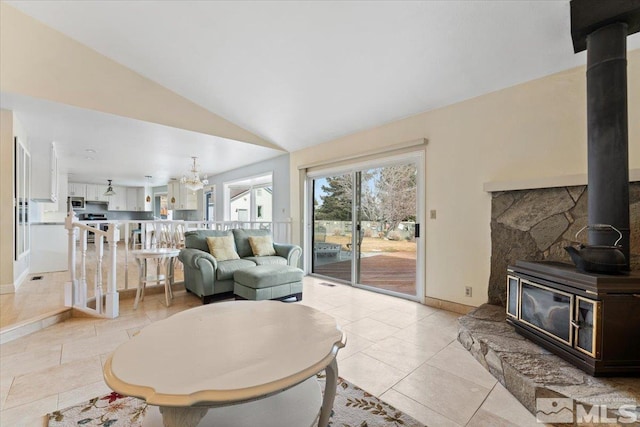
[[535, 225]]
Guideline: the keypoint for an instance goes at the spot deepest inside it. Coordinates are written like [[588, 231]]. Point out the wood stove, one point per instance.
[[590, 320]]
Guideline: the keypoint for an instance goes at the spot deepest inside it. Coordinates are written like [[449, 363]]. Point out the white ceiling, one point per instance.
[[294, 73]]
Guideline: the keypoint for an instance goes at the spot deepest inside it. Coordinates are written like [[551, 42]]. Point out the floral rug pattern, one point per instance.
[[353, 407]]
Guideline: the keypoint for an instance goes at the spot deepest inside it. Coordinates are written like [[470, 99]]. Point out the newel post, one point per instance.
[[112, 297], [71, 294]]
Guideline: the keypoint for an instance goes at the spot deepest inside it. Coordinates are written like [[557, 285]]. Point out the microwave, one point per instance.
[[76, 203]]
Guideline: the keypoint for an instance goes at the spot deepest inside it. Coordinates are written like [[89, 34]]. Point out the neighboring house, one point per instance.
[[240, 206]]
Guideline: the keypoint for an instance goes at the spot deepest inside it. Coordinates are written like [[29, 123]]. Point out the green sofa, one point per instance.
[[209, 278]]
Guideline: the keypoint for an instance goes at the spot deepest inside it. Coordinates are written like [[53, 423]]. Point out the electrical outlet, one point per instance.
[[432, 214], [467, 291]]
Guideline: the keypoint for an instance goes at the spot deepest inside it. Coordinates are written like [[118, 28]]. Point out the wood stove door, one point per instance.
[[547, 310], [586, 325], [513, 294]]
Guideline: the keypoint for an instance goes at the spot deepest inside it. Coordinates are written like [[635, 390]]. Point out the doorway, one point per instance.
[[161, 206], [365, 225]]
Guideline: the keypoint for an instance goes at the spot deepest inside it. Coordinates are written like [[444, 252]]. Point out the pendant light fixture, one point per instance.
[[109, 191]]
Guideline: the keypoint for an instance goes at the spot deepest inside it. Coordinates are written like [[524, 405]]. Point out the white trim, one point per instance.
[[379, 153], [11, 288], [226, 194], [368, 163], [546, 182], [7, 288], [21, 279], [414, 156]]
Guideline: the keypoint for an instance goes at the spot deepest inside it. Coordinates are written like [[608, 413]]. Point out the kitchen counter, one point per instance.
[[49, 251]]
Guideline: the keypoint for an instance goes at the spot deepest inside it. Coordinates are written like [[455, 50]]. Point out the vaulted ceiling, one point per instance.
[[260, 78]]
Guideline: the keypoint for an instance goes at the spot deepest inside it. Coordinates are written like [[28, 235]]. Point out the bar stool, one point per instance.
[[135, 238]]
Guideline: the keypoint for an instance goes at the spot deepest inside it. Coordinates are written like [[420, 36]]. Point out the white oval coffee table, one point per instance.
[[259, 354]]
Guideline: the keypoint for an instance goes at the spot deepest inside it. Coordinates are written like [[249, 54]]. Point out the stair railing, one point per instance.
[[104, 304]]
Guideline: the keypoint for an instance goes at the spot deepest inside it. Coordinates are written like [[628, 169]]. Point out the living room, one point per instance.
[[521, 132]]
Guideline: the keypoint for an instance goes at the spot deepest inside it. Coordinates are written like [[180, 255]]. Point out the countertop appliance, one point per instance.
[[75, 202]]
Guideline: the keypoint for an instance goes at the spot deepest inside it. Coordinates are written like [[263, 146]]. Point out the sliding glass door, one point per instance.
[[365, 226], [332, 226], [386, 241]]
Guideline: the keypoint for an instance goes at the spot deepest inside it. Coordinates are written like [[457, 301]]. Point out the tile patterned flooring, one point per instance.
[[403, 352]]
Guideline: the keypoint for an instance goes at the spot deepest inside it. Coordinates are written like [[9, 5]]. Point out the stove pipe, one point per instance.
[[608, 148]]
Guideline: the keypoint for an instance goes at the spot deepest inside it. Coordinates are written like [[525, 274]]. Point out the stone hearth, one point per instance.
[[528, 371]]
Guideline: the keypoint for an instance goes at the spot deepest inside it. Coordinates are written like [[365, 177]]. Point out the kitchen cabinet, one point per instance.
[[118, 202], [173, 193], [181, 198], [61, 204], [95, 193], [44, 182], [144, 198], [137, 199], [77, 189], [132, 199]]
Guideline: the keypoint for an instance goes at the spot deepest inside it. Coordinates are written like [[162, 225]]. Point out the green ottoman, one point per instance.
[[269, 281]]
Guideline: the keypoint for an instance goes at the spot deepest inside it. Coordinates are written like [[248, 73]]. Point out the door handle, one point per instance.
[[417, 231], [575, 325]]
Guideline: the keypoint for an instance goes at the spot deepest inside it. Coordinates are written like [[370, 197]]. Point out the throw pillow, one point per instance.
[[222, 248], [262, 245]]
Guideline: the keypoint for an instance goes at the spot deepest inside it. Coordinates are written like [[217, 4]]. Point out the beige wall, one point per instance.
[[12, 273], [533, 130], [43, 63], [6, 196]]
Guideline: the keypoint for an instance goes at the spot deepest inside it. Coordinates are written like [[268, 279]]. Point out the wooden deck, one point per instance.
[[391, 271]]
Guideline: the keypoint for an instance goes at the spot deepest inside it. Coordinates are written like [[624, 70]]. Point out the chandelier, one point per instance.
[[109, 191], [192, 180]]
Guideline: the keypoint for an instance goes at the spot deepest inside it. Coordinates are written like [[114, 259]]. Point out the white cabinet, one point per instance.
[[138, 199], [173, 193], [144, 198], [180, 198], [132, 199], [118, 202], [188, 199], [77, 189], [95, 193], [61, 204], [44, 181]]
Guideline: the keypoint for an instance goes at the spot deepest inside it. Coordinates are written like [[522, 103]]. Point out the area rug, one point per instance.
[[353, 407]]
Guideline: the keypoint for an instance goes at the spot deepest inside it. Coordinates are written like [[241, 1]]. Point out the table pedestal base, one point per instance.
[[186, 417], [297, 406]]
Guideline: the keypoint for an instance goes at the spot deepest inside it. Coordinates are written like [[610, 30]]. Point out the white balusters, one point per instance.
[[98, 281], [82, 286]]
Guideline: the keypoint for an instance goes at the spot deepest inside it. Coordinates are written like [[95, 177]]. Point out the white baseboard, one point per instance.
[[21, 279], [7, 289], [11, 288]]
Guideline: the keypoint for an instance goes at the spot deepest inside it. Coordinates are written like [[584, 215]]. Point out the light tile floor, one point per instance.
[[403, 352]]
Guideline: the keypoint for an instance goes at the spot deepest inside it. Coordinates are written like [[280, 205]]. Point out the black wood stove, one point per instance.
[[592, 320]]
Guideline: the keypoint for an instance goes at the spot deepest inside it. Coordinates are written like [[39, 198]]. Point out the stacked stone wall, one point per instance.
[[536, 225]]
